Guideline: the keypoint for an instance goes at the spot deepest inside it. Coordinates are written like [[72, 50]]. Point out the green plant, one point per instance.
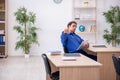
[[113, 17], [26, 29]]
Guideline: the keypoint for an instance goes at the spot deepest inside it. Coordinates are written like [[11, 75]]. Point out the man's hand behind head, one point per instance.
[[66, 30]]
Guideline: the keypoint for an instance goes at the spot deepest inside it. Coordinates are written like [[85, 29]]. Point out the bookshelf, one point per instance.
[[84, 13], [3, 28]]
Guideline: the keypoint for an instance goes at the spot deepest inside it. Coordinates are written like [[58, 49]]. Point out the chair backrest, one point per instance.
[[65, 50], [47, 64], [116, 62]]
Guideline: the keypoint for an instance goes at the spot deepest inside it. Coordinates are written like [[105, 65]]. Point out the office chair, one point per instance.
[[65, 50], [116, 62], [53, 76]]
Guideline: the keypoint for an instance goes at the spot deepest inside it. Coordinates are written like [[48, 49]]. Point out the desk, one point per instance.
[[104, 56], [83, 68]]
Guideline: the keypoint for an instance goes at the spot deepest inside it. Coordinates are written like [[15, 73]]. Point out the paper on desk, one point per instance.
[[54, 52], [99, 45], [68, 58]]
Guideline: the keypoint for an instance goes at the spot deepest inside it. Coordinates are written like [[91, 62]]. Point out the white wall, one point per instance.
[[103, 6], [52, 19]]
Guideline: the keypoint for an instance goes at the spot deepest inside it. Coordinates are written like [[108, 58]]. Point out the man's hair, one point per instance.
[[71, 23]]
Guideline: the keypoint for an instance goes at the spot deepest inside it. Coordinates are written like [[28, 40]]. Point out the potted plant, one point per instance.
[[26, 29], [113, 17]]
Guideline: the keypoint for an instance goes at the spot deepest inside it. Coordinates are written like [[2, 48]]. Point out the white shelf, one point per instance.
[[3, 56], [2, 21], [85, 14], [85, 32], [3, 28], [2, 10], [79, 7], [85, 20], [2, 45]]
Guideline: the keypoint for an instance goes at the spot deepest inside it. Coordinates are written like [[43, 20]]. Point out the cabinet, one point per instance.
[[3, 28], [85, 14]]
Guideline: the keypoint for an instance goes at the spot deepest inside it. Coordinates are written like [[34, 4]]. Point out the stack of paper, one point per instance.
[[54, 52], [68, 58], [99, 45]]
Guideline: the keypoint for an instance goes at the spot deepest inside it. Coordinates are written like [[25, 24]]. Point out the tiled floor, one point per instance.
[[19, 68]]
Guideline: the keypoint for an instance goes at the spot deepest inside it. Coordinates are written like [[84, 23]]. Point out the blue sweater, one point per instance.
[[71, 41]]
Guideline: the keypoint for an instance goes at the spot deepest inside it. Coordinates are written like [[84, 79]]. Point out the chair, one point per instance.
[[116, 62], [53, 76], [65, 50]]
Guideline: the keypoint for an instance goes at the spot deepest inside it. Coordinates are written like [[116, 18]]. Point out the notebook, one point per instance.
[[71, 54], [82, 44]]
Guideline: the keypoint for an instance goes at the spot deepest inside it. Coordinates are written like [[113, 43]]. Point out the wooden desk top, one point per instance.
[[104, 49], [81, 61]]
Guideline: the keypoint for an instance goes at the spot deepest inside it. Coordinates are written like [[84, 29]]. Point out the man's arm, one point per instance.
[[64, 38]]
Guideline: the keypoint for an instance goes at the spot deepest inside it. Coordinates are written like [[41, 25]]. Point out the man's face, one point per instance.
[[72, 27]]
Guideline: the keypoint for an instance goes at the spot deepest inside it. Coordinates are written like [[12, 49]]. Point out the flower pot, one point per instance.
[[113, 43], [27, 55]]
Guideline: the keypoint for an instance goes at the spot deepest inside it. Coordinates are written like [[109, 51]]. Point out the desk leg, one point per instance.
[[79, 73], [107, 71]]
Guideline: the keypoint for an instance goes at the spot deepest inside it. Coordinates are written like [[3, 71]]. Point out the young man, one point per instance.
[[73, 42]]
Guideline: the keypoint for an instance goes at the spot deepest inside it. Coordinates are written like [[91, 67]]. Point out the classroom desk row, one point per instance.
[[104, 56], [84, 68]]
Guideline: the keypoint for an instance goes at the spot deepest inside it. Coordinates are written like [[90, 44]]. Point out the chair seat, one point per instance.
[[55, 75]]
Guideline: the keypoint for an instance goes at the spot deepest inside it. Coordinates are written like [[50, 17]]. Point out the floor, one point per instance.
[[20, 68]]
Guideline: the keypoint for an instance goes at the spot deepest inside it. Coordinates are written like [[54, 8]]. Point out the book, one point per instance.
[[2, 42], [93, 28]]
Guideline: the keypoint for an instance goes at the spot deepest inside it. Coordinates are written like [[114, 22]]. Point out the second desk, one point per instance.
[[83, 68]]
